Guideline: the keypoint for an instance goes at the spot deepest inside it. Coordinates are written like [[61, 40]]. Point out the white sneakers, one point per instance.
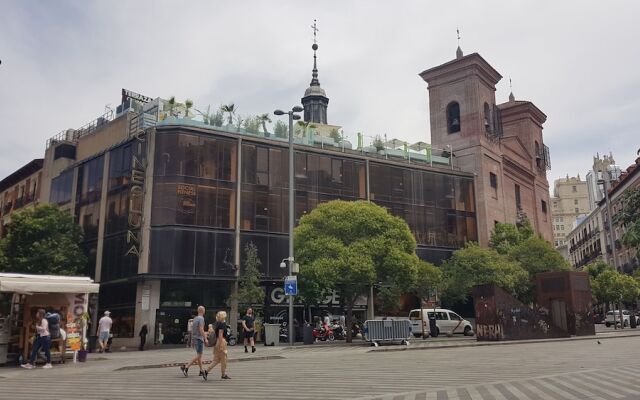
[[29, 366]]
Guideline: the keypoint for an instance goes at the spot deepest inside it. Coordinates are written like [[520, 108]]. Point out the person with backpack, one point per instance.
[[42, 341], [104, 330], [221, 335]]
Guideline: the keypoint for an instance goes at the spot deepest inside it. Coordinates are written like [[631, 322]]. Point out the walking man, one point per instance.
[[249, 330], [104, 329], [220, 348], [144, 331], [200, 339]]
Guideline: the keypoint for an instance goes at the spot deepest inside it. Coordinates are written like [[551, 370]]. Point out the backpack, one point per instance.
[[53, 319], [212, 339]]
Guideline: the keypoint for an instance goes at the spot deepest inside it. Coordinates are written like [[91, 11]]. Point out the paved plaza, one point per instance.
[[449, 369]]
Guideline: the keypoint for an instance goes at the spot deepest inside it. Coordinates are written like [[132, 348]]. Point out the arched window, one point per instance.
[[487, 118], [453, 117]]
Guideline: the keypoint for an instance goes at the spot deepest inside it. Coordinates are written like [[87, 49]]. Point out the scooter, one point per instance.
[[323, 334], [338, 332]]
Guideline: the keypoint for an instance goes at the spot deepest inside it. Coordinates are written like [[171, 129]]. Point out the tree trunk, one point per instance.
[[349, 321]]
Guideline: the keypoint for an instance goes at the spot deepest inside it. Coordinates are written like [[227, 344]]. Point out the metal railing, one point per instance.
[[72, 135]]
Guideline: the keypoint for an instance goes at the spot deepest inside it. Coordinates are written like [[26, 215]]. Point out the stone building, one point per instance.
[[18, 190], [570, 200], [502, 144], [586, 241]]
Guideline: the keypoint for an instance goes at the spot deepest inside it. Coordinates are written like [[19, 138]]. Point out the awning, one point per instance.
[[28, 284]]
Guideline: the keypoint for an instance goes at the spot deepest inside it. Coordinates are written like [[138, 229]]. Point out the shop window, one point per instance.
[[453, 117]]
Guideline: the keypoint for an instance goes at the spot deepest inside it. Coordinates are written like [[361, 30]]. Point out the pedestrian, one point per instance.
[[42, 341], [248, 328], [189, 339], [143, 335], [104, 330], [220, 348], [200, 339], [210, 335]]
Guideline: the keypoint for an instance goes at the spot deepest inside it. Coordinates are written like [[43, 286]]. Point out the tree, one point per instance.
[[231, 110], [596, 268], [251, 124], [249, 291], [263, 119], [378, 143], [474, 265], [536, 255], [188, 103], [349, 246], [172, 104], [335, 135], [280, 129], [428, 278], [304, 127], [613, 287], [506, 236], [629, 217], [42, 240]]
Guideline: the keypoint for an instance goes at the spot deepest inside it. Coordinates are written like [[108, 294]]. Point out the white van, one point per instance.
[[446, 321]]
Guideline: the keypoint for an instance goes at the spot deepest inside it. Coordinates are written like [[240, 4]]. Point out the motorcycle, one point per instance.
[[339, 332], [284, 333], [323, 334], [231, 340]]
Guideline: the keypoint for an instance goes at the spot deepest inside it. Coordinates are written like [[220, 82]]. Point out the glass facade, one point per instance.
[[61, 188]]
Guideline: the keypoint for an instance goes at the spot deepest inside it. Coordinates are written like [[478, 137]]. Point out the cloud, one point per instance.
[[66, 60]]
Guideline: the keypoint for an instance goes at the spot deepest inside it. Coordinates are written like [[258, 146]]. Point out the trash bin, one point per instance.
[[433, 329], [82, 355], [93, 343], [271, 334], [307, 334], [632, 321]]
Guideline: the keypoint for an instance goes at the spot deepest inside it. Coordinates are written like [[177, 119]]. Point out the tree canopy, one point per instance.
[[249, 291], [351, 245], [596, 268], [474, 265], [536, 255], [42, 240], [507, 236], [612, 286], [629, 216]]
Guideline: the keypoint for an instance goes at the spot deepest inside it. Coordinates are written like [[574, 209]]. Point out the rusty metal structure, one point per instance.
[[562, 310]]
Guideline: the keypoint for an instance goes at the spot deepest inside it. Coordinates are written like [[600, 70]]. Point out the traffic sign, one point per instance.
[[291, 286]]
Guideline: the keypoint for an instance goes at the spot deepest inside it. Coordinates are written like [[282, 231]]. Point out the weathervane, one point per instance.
[[315, 30], [510, 85], [458, 32]]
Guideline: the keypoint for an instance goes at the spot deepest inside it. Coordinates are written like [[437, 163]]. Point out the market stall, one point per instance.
[[22, 295]]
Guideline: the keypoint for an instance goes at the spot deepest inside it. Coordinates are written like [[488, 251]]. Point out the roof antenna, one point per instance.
[[458, 50]]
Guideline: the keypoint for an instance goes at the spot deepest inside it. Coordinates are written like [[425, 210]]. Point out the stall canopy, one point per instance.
[[28, 284]]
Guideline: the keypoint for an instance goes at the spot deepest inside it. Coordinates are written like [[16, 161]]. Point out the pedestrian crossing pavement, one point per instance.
[[611, 384]]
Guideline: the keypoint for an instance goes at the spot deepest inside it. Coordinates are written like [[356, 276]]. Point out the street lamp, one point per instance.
[[292, 116]]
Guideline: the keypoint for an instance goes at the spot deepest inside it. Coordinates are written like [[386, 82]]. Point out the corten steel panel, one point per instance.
[[500, 316], [574, 289]]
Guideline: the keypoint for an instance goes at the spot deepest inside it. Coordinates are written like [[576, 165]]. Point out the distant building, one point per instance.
[[502, 144], [595, 189], [586, 241], [570, 200], [19, 190]]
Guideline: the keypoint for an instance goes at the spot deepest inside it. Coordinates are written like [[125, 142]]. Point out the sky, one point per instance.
[[62, 62]]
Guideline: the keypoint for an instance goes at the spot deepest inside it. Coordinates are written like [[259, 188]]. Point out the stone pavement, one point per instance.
[[574, 369]]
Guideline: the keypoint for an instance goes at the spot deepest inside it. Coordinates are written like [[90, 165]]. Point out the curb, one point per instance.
[[177, 364], [505, 343]]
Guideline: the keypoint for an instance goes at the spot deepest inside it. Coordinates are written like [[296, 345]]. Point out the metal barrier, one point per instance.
[[376, 331]]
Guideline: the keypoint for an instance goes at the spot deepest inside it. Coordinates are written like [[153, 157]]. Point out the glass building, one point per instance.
[[167, 212]]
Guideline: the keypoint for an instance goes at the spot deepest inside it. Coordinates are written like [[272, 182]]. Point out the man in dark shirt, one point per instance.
[[249, 330]]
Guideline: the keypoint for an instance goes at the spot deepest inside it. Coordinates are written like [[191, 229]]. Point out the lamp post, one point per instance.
[[605, 182], [292, 116]]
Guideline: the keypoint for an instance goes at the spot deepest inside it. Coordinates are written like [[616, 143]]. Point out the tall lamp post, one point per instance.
[[292, 116]]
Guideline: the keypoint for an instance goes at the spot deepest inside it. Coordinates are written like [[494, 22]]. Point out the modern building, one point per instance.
[[570, 200], [168, 202], [18, 190], [501, 144], [596, 174], [621, 256]]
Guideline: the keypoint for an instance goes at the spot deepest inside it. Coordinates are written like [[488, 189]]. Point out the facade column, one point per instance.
[[103, 213], [233, 318], [370, 299]]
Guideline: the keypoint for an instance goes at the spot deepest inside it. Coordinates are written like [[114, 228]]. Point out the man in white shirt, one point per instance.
[[104, 328]]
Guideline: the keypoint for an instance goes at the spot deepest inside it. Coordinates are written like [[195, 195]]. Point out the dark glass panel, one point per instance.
[[184, 252], [205, 253]]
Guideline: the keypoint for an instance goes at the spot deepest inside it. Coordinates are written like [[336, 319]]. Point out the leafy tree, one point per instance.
[[629, 216], [280, 129], [612, 286], [249, 291], [349, 246], [231, 110], [263, 119], [506, 236], [252, 124], [428, 277], [43, 240], [474, 265], [536, 255], [596, 268]]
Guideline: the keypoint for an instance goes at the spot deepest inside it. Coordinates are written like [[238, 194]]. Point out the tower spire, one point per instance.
[[459, 53], [314, 73], [512, 98]]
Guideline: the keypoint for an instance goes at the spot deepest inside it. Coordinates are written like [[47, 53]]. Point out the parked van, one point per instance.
[[446, 321]]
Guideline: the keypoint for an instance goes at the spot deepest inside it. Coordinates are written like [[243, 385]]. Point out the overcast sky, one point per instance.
[[63, 61]]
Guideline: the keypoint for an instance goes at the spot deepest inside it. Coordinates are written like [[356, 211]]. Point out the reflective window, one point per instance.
[[61, 188]]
